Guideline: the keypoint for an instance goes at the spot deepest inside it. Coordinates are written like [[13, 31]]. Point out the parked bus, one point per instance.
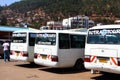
[[22, 45], [60, 49], [102, 51]]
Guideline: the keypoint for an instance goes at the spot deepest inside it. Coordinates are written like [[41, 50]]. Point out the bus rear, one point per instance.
[[102, 51], [59, 49], [22, 45], [46, 49]]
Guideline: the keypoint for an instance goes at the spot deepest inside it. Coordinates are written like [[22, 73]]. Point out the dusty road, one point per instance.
[[18, 70]]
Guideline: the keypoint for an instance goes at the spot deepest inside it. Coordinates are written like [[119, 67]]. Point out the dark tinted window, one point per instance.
[[64, 42], [77, 41], [106, 36], [32, 37]]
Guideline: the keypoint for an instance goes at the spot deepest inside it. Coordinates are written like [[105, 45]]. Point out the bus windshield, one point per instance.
[[19, 37], [111, 36], [46, 39]]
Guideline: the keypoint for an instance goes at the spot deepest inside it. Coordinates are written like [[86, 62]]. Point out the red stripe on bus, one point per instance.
[[93, 58], [113, 61]]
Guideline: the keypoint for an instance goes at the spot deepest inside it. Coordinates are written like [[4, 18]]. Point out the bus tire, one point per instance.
[[94, 71], [32, 63], [79, 65], [2, 56]]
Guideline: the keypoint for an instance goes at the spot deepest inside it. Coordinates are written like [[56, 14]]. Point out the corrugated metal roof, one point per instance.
[[11, 28]]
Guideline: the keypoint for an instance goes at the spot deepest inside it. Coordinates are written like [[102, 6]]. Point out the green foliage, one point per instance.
[[3, 20], [70, 7]]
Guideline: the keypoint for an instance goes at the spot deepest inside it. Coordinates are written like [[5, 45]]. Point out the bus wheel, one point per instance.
[[94, 71], [79, 65], [2, 56], [32, 63]]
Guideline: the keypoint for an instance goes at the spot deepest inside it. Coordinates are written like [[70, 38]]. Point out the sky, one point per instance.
[[7, 2]]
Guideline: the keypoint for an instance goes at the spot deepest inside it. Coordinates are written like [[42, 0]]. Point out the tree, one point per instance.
[[3, 20]]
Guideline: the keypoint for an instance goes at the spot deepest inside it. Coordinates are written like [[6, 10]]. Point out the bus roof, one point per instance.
[[11, 29], [27, 31], [106, 26], [79, 30], [63, 31]]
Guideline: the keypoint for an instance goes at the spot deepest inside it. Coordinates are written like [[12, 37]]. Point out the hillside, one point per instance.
[[99, 10], [70, 7]]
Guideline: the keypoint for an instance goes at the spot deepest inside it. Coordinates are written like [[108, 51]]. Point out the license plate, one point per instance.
[[17, 54], [44, 57], [103, 60]]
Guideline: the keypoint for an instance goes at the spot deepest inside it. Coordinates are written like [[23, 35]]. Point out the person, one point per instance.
[[6, 51]]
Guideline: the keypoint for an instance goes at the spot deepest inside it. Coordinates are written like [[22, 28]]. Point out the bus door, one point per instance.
[[64, 51]]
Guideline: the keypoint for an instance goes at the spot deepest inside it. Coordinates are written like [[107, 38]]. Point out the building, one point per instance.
[[6, 31], [54, 25], [78, 22]]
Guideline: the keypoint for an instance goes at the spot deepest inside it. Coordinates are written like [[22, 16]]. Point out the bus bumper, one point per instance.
[[104, 68]]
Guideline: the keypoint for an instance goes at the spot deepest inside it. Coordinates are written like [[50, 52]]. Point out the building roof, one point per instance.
[[12, 29]]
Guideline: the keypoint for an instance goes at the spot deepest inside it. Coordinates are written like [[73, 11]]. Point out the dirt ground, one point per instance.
[[19, 70]]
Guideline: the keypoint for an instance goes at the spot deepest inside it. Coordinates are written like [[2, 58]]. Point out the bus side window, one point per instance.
[[77, 41], [64, 41]]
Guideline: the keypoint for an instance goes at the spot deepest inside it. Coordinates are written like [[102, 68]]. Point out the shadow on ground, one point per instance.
[[107, 76], [29, 65], [62, 70]]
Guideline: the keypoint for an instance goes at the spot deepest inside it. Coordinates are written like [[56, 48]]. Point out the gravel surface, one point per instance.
[[19, 70]]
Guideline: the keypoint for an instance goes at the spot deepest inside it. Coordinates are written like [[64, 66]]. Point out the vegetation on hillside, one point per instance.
[[70, 7], [60, 9]]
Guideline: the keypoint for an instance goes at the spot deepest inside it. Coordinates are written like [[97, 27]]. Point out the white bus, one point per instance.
[[102, 51], [60, 49], [22, 45]]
